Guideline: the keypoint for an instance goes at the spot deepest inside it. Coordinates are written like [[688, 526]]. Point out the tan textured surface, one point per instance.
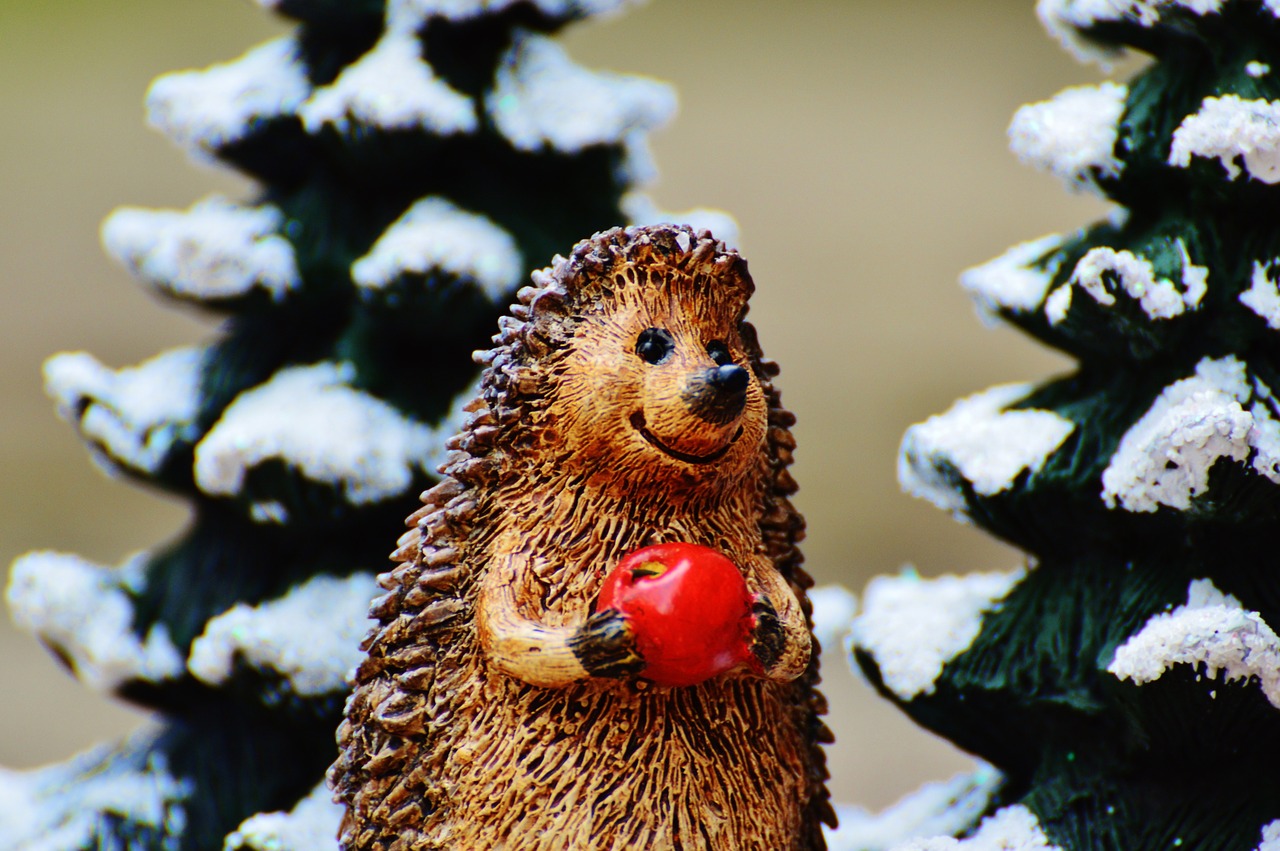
[[462, 733], [860, 143]]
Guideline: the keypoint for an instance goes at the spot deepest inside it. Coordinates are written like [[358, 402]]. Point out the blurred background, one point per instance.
[[860, 144]]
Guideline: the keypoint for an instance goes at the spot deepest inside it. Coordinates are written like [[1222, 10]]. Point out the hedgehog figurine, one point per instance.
[[626, 405]]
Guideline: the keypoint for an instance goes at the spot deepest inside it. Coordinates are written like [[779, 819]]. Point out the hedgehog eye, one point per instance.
[[655, 345], [719, 353]]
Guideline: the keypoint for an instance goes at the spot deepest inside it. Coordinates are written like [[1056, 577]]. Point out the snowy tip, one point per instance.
[[311, 636], [1211, 629], [982, 441], [913, 627], [86, 612], [1072, 135], [433, 234], [205, 110], [135, 415], [215, 250], [542, 99]]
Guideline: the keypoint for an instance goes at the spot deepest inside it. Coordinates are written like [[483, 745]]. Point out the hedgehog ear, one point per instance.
[[731, 268], [704, 251]]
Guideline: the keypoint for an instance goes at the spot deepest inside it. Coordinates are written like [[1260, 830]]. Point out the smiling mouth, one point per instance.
[[638, 423]]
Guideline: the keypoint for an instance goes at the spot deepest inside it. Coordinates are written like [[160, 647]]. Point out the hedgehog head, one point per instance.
[[635, 364]]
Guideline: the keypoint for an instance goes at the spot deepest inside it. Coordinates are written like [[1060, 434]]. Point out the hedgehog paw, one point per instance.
[[606, 646], [768, 639]]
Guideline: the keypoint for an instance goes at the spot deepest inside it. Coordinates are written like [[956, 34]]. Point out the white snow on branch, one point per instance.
[[941, 808], [986, 444], [217, 249], [1057, 305], [913, 627], [1212, 630], [312, 825], [1265, 435], [391, 87], [436, 234], [1227, 128], [1257, 69], [310, 418], [61, 807], [1102, 271], [1263, 295], [1012, 281], [85, 613], [541, 99], [1072, 135], [1066, 19], [1270, 837], [833, 610], [204, 110], [1202, 593], [1165, 458], [640, 209], [311, 636], [134, 415], [1013, 828]]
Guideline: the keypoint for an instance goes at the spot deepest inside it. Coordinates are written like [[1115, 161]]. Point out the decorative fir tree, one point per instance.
[[1127, 683], [415, 162]]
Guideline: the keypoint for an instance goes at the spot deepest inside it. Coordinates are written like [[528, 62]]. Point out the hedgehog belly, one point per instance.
[[601, 765]]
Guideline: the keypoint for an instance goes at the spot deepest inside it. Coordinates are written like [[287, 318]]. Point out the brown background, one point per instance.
[[859, 144]]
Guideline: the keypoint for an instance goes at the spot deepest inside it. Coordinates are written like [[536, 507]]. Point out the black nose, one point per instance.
[[719, 394], [729, 380]]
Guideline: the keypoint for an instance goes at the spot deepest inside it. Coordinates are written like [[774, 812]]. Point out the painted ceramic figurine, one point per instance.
[[597, 634]]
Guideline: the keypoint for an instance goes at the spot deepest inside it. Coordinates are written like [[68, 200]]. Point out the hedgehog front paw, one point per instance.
[[768, 638], [606, 646]]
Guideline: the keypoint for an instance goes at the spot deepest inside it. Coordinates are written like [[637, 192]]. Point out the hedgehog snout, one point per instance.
[[717, 395]]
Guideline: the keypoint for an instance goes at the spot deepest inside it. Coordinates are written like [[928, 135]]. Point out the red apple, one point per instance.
[[688, 607]]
